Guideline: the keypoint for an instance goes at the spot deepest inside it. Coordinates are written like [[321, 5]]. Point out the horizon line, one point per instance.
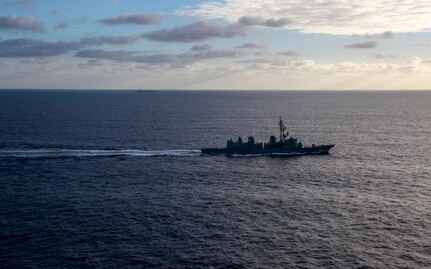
[[255, 90]]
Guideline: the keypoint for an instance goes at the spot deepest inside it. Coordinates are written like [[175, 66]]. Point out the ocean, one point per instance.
[[115, 179]]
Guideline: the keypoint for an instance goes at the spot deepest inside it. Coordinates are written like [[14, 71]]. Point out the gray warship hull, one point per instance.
[[285, 146], [317, 150]]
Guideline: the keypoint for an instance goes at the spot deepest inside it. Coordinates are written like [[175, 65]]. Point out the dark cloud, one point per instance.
[[54, 12], [363, 45], [258, 21], [118, 55], [159, 58], [111, 40], [200, 30], [127, 56], [212, 54], [251, 45], [290, 53], [382, 56], [384, 35], [203, 47], [26, 3], [26, 47], [24, 23], [378, 56], [206, 29], [142, 19], [61, 26]]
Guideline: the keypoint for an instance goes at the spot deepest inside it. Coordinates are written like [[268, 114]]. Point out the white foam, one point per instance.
[[65, 153]]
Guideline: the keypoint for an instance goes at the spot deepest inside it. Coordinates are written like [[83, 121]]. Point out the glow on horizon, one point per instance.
[[230, 44]]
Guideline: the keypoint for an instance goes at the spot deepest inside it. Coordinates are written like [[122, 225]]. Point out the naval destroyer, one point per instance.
[[284, 146]]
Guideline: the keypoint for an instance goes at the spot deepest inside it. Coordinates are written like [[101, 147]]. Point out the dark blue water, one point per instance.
[[101, 179]]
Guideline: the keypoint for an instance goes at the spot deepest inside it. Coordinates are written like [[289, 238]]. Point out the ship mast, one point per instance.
[[282, 130]]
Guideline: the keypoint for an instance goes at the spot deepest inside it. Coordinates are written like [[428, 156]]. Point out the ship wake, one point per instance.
[[77, 153]]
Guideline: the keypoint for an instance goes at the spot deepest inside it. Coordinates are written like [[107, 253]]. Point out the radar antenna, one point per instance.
[[283, 128]]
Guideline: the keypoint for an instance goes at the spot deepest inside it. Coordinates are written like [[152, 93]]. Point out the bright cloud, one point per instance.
[[339, 17]]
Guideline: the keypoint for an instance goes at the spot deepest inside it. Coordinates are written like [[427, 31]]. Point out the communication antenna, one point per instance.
[[283, 128]]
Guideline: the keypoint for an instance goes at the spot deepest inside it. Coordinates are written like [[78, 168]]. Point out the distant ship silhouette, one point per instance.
[[142, 91]]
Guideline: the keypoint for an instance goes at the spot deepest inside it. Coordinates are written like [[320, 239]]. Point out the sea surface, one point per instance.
[[115, 179]]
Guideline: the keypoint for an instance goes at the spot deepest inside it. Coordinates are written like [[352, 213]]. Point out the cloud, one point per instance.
[[81, 30], [24, 23], [289, 53], [111, 40], [251, 45], [309, 66], [23, 3], [378, 56], [384, 35], [415, 61], [338, 17], [281, 73], [118, 55], [216, 54], [200, 30], [42, 60], [363, 45], [141, 19], [258, 21], [26, 47], [203, 47], [54, 12], [181, 59], [382, 56], [26, 3], [61, 26]]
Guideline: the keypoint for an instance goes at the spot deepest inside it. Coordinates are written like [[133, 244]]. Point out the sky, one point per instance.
[[207, 44]]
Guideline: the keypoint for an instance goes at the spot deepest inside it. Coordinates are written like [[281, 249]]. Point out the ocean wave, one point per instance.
[[76, 153]]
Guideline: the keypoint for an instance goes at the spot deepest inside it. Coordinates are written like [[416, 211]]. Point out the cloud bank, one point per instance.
[[194, 55], [34, 48], [26, 47], [339, 17]]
